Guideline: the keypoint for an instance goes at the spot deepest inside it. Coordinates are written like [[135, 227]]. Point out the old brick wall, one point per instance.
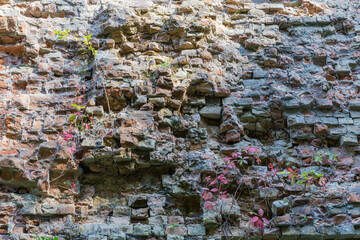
[[189, 82]]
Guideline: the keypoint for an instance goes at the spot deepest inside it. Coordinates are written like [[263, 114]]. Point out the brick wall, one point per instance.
[[188, 83]]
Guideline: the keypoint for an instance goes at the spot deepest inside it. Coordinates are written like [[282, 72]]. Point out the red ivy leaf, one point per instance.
[[255, 219], [261, 212]]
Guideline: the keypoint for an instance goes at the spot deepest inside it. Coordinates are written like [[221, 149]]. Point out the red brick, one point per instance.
[[321, 129], [353, 198], [7, 209], [3, 84], [9, 153], [345, 159], [339, 219], [5, 174], [176, 230], [4, 219]]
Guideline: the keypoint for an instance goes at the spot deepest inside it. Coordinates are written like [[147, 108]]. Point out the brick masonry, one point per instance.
[[188, 81]]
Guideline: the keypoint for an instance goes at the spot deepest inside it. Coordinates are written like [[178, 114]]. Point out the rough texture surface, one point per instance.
[[189, 82]]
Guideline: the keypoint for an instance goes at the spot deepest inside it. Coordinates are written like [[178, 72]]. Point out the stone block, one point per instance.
[[212, 112], [196, 230], [349, 140], [142, 230], [295, 120], [280, 207]]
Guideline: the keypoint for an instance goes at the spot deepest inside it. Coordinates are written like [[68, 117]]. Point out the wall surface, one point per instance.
[[188, 83]]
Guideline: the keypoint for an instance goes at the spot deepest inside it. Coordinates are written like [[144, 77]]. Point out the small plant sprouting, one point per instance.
[[86, 41], [174, 225], [62, 34], [307, 178], [88, 44], [165, 65], [319, 157], [37, 237]]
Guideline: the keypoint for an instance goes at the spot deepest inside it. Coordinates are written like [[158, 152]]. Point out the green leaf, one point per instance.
[[72, 117], [77, 106]]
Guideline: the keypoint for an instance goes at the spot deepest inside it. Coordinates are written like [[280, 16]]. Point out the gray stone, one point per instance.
[[245, 102], [250, 126], [295, 120], [123, 155], [355, 105], [210, 219], [342, 69], [331, 121], [345, 231], [197, 101], [309, 20], [142, 230], [247, 117], [147, 144], [333, 209], [326, 171], [96, 111], [349, 140], [91, 143], [196, 230], [157, 220], [328, 232], [260, 112], [29, 208], [97, 237], [324, 104], [353, 129], [323, 20], [174, 237], [354, 211], [355, 114], [337, 131], [198, 134], [280, 207], [158, 230], [121, 211], [310, 120], [212, 112], [90, 228], [309, 233], [127, 229], [263, 125], [119, 236], [257, 74], [290, 233], [269, 193], [346, 120], [291, 104], [158, 102]]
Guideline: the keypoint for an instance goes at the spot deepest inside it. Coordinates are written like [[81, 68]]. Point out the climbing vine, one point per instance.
[[229, 175]]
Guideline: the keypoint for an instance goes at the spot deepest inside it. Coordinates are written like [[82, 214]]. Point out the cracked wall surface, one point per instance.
[[188, 83]]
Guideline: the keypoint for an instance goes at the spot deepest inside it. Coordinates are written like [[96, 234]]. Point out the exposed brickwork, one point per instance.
[[188, 82]]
